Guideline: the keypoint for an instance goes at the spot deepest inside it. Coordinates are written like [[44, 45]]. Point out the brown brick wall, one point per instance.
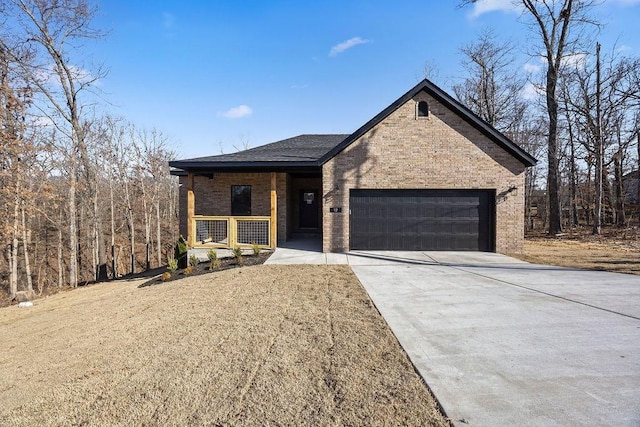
[[213, 196], [441, 151]]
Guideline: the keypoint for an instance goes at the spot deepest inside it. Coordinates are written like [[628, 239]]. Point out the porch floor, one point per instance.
[[296, 247]]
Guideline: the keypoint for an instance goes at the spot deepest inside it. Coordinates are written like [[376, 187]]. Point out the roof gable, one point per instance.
[[451, 103]]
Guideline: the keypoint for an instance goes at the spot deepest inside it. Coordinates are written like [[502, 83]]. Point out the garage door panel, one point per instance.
[[422, 219]]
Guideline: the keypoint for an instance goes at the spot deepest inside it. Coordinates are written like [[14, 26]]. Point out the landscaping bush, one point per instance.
[[193, 260], [256, 248], [237, 253], [180, 252]]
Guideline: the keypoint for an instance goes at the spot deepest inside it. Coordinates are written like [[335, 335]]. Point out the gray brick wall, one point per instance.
[[440, 151]]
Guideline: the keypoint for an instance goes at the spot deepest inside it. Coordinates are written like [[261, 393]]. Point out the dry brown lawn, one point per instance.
[[264, 345], [609, 253]]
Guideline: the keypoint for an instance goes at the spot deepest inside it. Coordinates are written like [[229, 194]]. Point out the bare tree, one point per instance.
[[559, 24], [492, 88], [52, 28], [16, 155], [600, 100]]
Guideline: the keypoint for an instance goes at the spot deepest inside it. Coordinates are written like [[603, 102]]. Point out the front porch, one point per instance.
[[273, 208]]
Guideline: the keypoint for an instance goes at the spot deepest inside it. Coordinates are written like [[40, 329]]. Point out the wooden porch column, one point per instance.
[[274, 212], [191, 209]]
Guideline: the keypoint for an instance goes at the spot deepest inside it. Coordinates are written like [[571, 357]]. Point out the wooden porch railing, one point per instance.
[[231, 231]]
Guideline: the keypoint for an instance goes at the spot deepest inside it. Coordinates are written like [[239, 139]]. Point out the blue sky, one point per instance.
[[215, 75]]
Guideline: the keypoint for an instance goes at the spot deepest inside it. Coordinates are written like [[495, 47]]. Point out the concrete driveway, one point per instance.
[[504, 343]]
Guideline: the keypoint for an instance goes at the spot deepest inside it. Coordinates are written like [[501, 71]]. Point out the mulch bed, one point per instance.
[[205, 268]]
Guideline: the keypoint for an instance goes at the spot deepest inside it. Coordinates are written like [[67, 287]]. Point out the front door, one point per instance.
[[309, 209]]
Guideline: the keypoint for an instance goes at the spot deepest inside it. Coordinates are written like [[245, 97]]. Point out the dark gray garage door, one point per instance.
[[436, 220]]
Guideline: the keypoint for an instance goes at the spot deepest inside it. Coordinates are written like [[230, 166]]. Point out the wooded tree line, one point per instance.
[[581, 112], [83, 196]]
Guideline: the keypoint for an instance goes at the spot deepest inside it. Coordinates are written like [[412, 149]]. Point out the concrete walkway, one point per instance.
[[503, 342]]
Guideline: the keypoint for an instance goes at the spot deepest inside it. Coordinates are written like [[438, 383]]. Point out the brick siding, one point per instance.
[[440, 151]]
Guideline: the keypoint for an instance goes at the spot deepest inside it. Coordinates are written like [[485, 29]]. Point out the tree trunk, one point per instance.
[[25, 250], [574, 220], [60, 245], [73, 232], [101, 267], [587, 206], [132, 237], [158, 234], [621, 219], [13, 282], [553, 178], [13, 260], [114, 273], [597, 213], [574, 191]]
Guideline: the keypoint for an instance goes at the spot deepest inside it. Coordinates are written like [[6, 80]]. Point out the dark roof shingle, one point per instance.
[[301, 149]]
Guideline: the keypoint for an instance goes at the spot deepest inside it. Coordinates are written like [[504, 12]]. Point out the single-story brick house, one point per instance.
[[424, 174]]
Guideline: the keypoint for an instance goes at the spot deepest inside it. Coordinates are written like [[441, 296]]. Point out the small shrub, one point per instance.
[[256, 248], [172, 264], [165, 276], [215, 264], [180, 252], [212, 255], [193, 261], [188, 270], [237, 252]]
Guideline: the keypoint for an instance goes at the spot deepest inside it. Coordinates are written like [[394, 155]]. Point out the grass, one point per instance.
[[617, 252], [263, 345]]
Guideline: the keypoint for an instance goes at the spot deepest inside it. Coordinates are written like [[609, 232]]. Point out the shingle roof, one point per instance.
[[301, 150]]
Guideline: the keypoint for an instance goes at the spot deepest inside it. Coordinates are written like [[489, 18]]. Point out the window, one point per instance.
[[423, 109], [240, 200]]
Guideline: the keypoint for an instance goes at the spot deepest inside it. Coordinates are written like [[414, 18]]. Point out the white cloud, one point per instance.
[[341, 47], [624, 48], [48, 75], [531, 92], [237, 112], [576, 60], [168, 20], [531, 68], [485, 6]]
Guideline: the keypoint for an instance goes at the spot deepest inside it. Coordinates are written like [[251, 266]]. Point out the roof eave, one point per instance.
[[227, 166]]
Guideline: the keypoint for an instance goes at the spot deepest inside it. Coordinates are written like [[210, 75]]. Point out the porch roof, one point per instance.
[[299, 152]]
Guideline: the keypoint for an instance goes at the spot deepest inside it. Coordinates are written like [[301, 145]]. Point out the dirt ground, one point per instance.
[[263, 345], [615, 250]]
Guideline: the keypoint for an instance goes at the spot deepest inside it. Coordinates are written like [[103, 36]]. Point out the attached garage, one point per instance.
[[438, 220]]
